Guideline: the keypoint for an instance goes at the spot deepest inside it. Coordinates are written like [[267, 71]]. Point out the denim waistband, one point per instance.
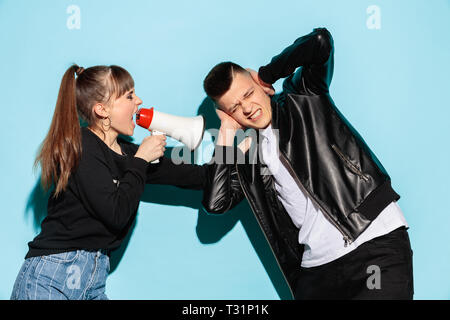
[[106, 252]]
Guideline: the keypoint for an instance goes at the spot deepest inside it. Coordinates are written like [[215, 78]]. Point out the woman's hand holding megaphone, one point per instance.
[[152, 147]]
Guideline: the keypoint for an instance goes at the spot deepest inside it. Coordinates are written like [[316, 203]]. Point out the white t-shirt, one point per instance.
[[323, 241]]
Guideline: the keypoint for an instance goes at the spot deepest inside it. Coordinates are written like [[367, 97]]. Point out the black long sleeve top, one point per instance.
[[101, 200]]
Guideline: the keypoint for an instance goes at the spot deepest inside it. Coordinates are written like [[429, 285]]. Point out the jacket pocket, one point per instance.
[[349, 164]]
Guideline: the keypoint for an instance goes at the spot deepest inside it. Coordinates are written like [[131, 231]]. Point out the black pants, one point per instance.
[[378, 269]]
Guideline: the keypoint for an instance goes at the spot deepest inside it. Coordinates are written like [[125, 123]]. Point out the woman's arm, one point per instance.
[[112, 200], [189, 176]]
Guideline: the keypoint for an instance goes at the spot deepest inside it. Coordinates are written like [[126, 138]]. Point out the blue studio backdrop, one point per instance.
[[390, 81]]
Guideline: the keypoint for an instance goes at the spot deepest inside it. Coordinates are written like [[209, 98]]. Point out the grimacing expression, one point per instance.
[[246, 102]]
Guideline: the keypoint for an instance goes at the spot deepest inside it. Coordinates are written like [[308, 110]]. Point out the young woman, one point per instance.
[[96, 180]]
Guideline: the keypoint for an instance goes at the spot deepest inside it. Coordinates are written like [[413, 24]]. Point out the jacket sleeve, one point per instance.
[[314, 53], [223, 190], [112, 202]]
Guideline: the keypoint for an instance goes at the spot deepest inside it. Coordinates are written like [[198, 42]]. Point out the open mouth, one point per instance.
[[256, 115]]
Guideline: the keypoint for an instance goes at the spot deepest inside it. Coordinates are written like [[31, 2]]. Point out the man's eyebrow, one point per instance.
[[247, 92], [243, 96]]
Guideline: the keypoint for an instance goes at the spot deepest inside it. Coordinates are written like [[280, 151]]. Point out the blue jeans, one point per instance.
[[73, 275]]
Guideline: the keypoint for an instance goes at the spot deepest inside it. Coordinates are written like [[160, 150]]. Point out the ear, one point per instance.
[[254, 75], [101, 110], [268, 89]]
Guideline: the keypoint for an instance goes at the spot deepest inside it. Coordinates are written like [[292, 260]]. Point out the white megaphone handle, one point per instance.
[[156, 132]]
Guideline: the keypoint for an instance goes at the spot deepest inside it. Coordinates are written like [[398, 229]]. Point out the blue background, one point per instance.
[[391, 84]]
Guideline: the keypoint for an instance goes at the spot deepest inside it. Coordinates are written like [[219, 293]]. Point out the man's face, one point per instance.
[[246, 102]]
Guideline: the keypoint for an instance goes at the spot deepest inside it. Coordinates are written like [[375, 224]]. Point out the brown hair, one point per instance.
[[60, 152], [219, 79]]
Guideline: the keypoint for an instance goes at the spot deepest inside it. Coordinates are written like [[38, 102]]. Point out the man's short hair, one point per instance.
[[218, 81]]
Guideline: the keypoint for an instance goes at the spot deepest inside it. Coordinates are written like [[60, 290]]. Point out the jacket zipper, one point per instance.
[[346, 237], [350, 165], [270, 246]]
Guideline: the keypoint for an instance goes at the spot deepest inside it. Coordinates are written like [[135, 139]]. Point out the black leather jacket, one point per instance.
[[326, 156]]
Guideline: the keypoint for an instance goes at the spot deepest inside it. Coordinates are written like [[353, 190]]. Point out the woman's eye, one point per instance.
[[130, 97]]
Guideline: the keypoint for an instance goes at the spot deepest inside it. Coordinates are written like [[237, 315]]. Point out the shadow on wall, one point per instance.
[[210, 228], [36, 208]]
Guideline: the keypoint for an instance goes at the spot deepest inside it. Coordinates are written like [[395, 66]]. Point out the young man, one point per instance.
[[327, 207]]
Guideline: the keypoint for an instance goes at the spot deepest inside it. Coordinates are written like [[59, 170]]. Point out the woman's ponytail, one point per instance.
[[61, 149]]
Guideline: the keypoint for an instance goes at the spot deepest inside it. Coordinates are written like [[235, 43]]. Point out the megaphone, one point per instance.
[[188, 130]]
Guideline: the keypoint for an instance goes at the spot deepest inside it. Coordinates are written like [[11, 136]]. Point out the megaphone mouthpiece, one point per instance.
[[144, 117]]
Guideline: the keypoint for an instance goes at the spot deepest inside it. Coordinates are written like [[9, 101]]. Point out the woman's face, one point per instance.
[[122, 113]]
